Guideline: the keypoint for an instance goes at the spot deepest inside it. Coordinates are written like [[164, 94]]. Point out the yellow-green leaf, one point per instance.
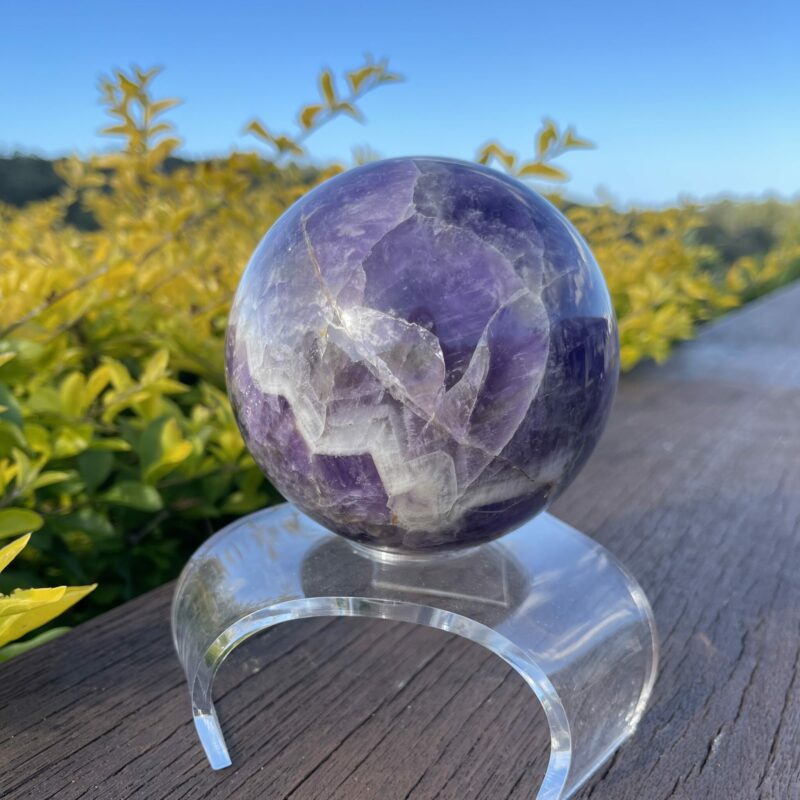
[[98, 380], [133, 494], [390, 77], [161, 127], [164, 148], [50, 477], [257, 129], [117, 130], [6, 357], [130, 88], [11, 551], [170, 459], [162, 449], [573, 141], [8, 472], [357, 77], [16, 625], [327, 88], [112, 444], [160, 106], [27, 599], [494, 150], [145, 76], [546, 136], [535, 169], [351, 110], [309, 114], [118, 373], [27, 470], [287, 145], [71, 392], [156, 366], [71, 440], [17, 520], [11, 436]]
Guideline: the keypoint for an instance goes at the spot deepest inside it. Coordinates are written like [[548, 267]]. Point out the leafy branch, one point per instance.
[[311, 117], [128, 100], [551, 143]]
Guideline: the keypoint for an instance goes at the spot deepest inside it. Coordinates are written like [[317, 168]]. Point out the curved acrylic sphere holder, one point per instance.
[[548, 600]]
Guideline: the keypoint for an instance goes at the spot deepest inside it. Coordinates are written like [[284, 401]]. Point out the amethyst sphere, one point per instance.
[[421, 354]]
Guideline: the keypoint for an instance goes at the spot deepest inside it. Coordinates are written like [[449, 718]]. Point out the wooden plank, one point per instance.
[[696, 486]]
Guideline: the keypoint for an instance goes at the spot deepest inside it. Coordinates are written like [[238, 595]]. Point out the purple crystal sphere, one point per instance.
[[421, 354]]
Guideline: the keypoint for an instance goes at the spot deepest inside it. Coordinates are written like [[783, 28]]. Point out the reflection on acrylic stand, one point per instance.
[[548, 600]]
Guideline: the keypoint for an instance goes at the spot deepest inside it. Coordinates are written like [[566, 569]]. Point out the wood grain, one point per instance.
[[695, 486]]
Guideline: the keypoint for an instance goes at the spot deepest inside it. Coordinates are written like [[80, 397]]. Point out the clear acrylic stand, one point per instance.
[[547, 599]]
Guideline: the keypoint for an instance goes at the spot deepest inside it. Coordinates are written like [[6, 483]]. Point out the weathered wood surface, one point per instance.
[[695, 486]]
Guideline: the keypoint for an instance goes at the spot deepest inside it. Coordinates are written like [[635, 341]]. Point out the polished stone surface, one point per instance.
[[421, 354]]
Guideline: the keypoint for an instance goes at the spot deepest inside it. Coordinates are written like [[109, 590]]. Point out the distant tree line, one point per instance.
[[24, 179]]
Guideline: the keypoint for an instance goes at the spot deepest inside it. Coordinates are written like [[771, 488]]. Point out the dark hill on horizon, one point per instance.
[[24, 179], [27, 178]]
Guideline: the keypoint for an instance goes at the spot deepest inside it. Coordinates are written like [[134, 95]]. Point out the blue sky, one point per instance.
[[682, 98]]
